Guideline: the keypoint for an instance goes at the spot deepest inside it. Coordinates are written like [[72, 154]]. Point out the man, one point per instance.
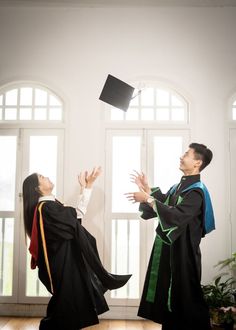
[[172, 292]]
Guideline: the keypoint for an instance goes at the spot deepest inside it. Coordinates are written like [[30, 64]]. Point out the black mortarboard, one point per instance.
[[117, 93]]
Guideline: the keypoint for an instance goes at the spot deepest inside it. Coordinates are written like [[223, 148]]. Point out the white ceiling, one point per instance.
[[120, 3]]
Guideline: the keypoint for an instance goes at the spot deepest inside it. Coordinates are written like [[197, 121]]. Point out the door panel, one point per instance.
[[8, 216], [23, 151], [41, 153], [233, 188], [129, 239]]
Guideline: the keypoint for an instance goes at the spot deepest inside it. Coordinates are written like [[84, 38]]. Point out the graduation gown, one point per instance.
[[70, 268], [172, 293]]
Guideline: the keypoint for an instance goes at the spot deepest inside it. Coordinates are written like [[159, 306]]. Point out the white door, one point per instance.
[[23, 151], [128, 239], [9, 240], [233, 188]]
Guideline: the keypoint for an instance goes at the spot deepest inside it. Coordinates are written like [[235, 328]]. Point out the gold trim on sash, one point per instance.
[[44, 244]]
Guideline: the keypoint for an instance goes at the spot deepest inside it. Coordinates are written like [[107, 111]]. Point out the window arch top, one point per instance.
[[29, 102], [234, 110], [154, 104]]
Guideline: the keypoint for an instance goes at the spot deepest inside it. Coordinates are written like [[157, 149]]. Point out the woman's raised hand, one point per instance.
[[86, 179], [91, 177], [81, 179]]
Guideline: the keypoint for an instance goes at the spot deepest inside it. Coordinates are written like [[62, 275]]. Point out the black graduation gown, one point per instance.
[[173, 296], [78, 279]]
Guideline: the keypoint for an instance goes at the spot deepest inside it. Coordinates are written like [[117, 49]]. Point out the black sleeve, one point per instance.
[[147, 212], [157, 194], [174, 219], [59, 221]]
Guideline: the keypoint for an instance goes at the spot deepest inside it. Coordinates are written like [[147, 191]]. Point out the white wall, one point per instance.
[[72, 50]]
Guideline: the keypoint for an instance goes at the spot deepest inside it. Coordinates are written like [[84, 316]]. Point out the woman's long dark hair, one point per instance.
[[30, 200]]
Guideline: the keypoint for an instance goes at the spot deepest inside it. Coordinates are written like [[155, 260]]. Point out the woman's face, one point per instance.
[[45, 185]]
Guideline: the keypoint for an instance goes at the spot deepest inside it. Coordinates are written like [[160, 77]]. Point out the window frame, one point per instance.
[[229, 134], [13, 214], [231, 106], [23, 256], [22, 84], [21, 127], [162, 123], [146, 228]]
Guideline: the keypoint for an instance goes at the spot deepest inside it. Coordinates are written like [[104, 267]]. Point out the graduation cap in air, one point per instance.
[[117, 93]]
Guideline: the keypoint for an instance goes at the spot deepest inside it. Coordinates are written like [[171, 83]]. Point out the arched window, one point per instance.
[[29, 102], [234, 110], [154, 104]]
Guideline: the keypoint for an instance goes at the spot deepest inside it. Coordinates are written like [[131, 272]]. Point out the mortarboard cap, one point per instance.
[[117, 93]]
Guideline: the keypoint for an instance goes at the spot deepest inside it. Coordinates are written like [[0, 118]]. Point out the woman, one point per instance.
[[66, 255]]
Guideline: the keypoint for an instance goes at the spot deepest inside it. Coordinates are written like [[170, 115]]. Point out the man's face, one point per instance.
[[188, 163]]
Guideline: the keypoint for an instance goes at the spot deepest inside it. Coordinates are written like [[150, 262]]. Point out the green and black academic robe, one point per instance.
[[70, 268], [172, 291]]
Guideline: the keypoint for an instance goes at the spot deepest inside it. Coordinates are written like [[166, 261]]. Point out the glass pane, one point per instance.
[[163, 98], [147, 96], [175, 101], [125, 256], [25, 113], [43, 156], [55, 113], [1, 99], [43, 160], [6, 255], [134, 258], [126, 154], [117, 114], [234, 102], [54, 101], [132, 114], [10, 113], [163, 114], [0, 113], [40, 113], [135, 99], [11, 97], [26, 96], [167, 151], [7, 172], [234, 113], [177, 114], [147, 113], [40, 97], [34, 288]]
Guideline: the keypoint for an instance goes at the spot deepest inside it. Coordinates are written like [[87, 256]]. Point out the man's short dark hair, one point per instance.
[[203, 153]]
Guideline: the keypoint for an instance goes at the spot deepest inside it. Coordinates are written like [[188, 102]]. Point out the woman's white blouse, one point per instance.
[[83, 201]]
